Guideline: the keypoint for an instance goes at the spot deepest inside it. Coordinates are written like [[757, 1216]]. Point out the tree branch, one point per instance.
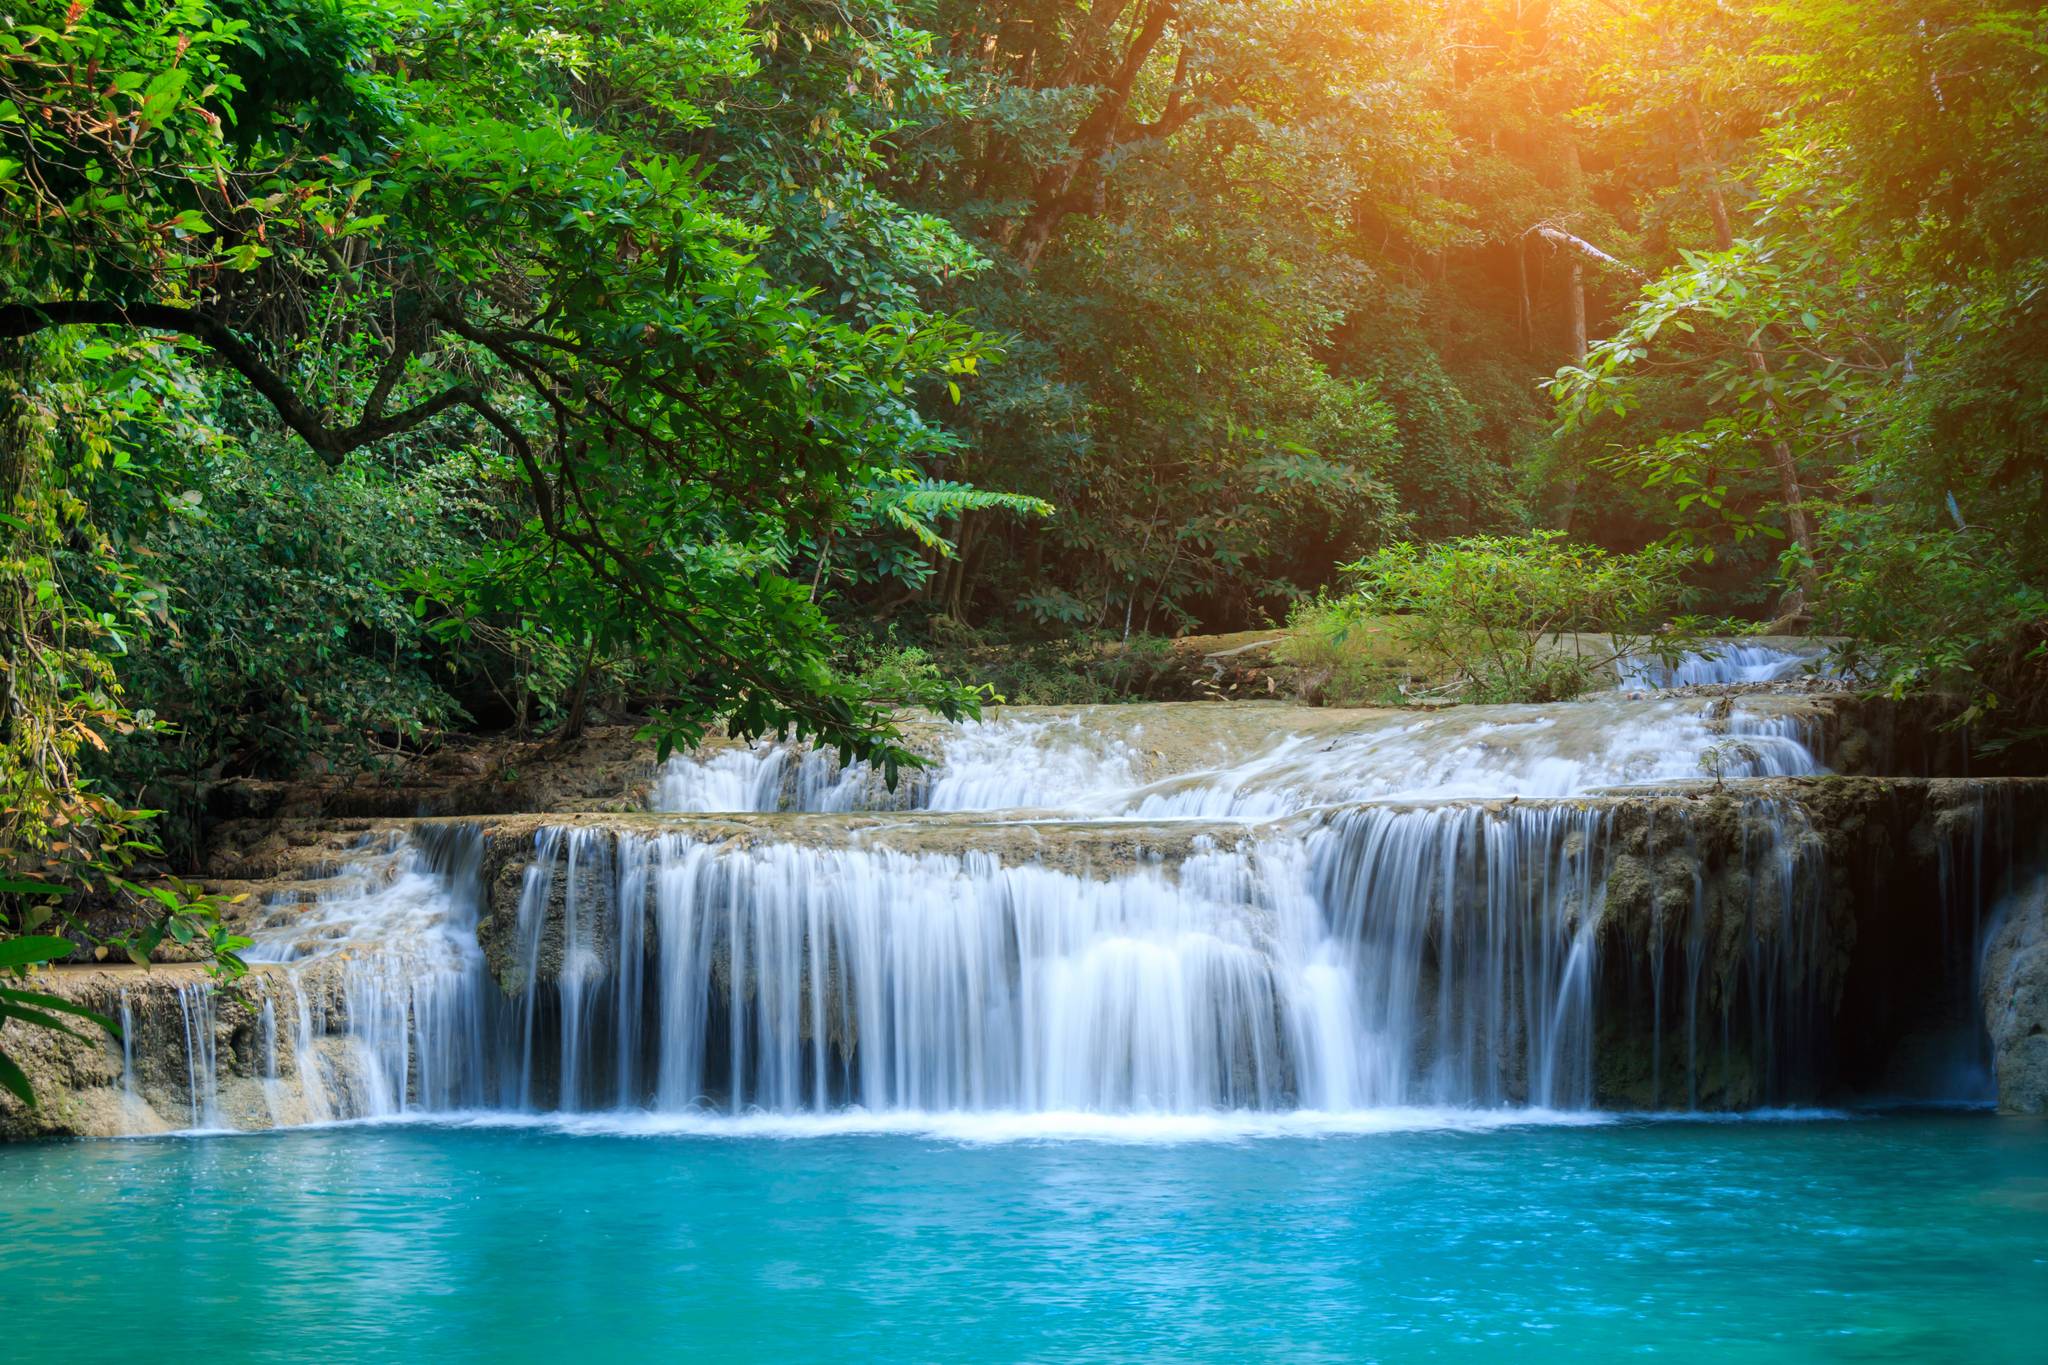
[[1095, 136], [1559, 237], [332, 444]]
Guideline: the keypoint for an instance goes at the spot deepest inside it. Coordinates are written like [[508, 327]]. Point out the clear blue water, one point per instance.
[[1902, 1238]]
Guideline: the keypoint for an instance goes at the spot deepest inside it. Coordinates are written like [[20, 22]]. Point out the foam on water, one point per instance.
[[993, 1127], [1101, 762], [1070, 1125]]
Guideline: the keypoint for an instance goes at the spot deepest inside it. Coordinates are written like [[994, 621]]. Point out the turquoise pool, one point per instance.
[[1896, 1238]]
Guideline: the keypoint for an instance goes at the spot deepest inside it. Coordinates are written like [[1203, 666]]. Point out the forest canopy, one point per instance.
[[375, 368]]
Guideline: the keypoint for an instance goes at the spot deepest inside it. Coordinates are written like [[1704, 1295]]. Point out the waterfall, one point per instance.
[[397, 952], [197, 1012], [1016, 762], [1367, 956], [793, 978], [316, 1083], [1501, 908], [131, 1095], [1103, 912], [748, 779], [1724, 663]]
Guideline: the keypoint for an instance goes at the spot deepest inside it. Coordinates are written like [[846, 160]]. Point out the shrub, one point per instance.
[[1508, 618], [290, 636], [1347, 653]]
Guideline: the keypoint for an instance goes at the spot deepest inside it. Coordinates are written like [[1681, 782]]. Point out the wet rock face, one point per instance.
[[194, 1055], [2015, 994], [1810, 941], [548, 897]]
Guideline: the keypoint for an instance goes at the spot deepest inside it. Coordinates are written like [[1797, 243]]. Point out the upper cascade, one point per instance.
[[1729, 663], [1260, 761]]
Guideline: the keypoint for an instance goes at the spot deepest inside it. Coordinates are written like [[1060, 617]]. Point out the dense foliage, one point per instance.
[[373, 367], [1865, 348]]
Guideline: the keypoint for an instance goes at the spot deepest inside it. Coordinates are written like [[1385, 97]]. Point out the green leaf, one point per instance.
[[22, 952], [162, 95], [44, 1000], [16, 1083]]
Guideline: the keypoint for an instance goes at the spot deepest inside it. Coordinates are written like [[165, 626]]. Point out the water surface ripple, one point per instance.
[[1918, 1238]]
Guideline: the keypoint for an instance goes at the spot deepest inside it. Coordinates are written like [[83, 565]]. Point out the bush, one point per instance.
[[1506, 618], [886, 671], [290, 634], [1348, 654], [1932, 609]]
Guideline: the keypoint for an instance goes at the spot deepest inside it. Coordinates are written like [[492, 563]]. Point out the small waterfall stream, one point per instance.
[[1733, 662], [196, 1009], [398, 955]]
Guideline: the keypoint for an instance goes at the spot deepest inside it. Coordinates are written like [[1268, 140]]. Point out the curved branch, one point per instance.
[[26, 319], [332, 444]]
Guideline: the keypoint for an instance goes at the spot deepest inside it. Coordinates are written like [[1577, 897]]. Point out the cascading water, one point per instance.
[[197, 1013], [131, 1095], [1367, 926], [1725, 663], [1143, 761], [1133, 910], [761, 778], [792, 978], [1284, 969], [397, 955]]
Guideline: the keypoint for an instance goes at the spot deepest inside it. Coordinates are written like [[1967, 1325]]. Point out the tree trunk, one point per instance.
[[1053, 198], [1525, 319], [953, 597], [1576, 300], [579, 702]]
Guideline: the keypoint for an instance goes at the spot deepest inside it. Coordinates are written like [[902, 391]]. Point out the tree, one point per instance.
[[676, 417], [1173, 198], [1876, 329], [397, 233]]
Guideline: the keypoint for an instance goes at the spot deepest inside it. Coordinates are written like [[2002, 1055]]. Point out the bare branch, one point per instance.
[[1557, 236]]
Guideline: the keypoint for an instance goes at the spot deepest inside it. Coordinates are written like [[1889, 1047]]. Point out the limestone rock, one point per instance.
[[2016, 1001]]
